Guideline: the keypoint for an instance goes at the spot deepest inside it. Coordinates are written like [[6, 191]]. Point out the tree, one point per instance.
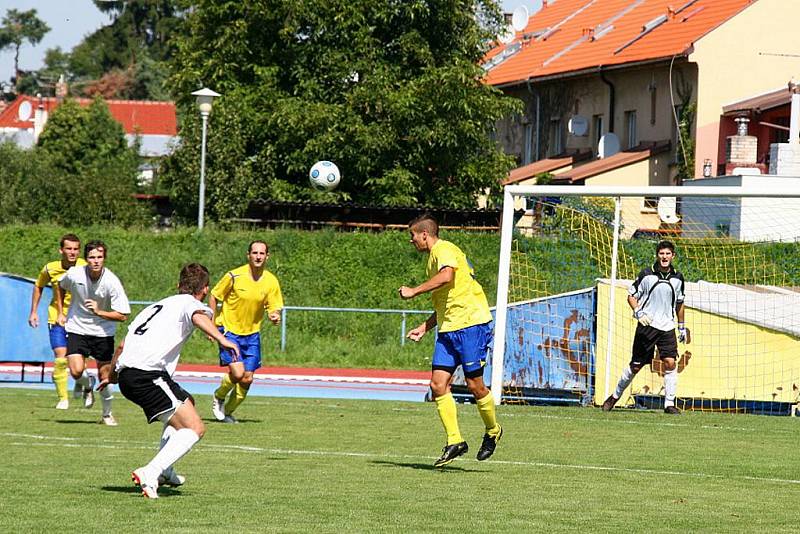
[[126, 59], [95, 168], [389, 90], [18, 27]]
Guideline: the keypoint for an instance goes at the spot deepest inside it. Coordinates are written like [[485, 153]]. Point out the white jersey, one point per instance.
[[155, 337], [107, 291]]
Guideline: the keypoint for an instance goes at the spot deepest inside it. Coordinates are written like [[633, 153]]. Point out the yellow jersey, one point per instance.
[[244, 300], [461, 303], [50, 275]]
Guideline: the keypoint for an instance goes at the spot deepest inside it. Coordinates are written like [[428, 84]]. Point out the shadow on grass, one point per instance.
[[163, 491], [95, 422], [212, 421], [426, 467]]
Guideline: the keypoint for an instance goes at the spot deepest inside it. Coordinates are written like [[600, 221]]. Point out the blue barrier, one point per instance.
[[18, 341]]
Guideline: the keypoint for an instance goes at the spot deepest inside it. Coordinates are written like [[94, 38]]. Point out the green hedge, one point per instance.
[[318, 268]]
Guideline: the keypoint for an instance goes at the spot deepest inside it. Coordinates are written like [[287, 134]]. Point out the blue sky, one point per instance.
[[70, 21]]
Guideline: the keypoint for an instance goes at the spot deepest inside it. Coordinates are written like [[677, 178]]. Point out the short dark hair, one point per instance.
[[250, 246], [193, 279], [665, 244], [68, 237], [91, 245], [425, 222]]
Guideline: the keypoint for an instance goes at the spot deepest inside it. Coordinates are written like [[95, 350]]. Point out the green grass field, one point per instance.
[[365, 466]]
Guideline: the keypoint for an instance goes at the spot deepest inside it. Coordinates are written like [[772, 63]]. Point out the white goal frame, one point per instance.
[[512, 192]]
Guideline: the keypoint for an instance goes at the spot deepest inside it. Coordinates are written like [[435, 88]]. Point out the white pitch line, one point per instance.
[[353, 454], [648, 423]]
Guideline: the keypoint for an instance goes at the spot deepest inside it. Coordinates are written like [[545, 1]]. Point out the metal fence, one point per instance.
[[286, 309]]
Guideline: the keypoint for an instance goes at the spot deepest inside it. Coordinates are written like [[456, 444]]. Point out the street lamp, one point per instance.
[[204, 98]]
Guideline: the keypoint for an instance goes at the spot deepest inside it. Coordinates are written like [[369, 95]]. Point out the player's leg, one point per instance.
[[473, 346], [667, 345], [250, 347], [162, 399], [77, 349], [644, 342], [107, 393], [226, 359], [58, 342], [443, 366]]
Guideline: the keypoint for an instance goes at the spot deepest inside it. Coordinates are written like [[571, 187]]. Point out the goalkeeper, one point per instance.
[[656, 298], [463, 317]]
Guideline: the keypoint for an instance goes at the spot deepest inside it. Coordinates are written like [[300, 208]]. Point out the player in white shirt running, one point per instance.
[[98, 304], [144, 363]]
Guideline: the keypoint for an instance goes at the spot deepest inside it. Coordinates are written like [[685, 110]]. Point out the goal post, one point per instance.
[[569, 254]]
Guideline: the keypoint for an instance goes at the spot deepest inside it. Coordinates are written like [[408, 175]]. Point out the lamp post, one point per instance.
[[204, 98]]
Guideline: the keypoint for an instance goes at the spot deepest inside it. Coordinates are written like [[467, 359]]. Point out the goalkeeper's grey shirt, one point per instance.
[[659, 294]]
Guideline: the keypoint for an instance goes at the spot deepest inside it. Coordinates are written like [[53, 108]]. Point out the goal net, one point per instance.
[[569, 254]]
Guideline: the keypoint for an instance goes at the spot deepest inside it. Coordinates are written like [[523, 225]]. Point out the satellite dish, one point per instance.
[[537, 6], [578, 125], [519, 19], [667, 207], [608, 145], [507, 35], [24, 111]]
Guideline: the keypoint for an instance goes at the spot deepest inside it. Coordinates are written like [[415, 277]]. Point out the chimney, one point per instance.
[[741, 149]]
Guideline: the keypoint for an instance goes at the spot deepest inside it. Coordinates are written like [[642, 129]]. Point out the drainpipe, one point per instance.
[[538, 122], [612, 97]]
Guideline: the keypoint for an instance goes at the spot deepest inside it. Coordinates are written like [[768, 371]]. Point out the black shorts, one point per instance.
[[99, 348], [154, 391], [646, 338]]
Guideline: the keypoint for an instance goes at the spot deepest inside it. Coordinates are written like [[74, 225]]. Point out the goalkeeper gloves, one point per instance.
[[682, 332], [642, 317]]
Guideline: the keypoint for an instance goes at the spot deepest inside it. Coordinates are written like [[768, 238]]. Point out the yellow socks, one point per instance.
[[60, 378], [486, 409], [224, 388], [239, 393], [446, 406]]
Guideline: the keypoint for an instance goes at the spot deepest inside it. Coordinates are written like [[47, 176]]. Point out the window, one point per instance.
[[556, 141], [597, 130], [630, 129], [527, 156], [723, 228], [650, 205]]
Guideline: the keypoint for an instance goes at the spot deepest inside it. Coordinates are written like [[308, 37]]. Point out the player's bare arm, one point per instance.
[[33, 318], [632, 302], [212, 303], [112, 374], [442, 278], [417, 333], [275, 316], [111, 315], [59, 301], [205, 324]]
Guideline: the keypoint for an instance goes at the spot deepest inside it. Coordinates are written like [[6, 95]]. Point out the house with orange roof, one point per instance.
[[637, 68], [153, 124]]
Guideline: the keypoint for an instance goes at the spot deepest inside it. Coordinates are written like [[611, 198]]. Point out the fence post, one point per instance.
[[403, 330], [283, 329]]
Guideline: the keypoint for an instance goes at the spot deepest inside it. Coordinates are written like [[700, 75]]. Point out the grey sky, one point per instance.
[[70, 21]]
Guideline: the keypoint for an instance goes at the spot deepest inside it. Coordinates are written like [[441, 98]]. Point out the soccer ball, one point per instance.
[[324, 176]]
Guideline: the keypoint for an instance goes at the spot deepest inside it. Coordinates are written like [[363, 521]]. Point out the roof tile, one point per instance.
[[569, 47]]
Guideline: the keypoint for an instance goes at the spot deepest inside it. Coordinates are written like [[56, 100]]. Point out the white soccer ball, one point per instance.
[[324, 176]]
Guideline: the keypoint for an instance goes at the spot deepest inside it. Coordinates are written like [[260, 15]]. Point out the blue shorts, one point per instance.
[[58, 336], [249, 350], [467, 347]]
